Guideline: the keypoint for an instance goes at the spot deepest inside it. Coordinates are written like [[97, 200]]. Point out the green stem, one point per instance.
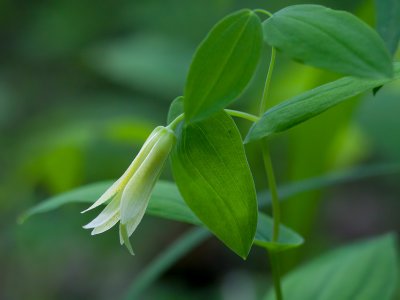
[[263, 104], [263, 11], [276, 276], [273, 190], [267, 157], [276, 214], [176, 121], [234, 113], [241, 114]]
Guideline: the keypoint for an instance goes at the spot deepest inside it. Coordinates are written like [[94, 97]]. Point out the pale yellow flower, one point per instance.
[[130, 194]]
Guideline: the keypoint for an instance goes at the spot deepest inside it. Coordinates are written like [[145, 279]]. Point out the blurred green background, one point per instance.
[[82, 84]]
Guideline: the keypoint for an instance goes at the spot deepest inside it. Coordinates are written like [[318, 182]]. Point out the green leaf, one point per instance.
[[175, 109], [330, 39], [288, 239], [223, 64], [312, 103], [84, 194], [211, 170], [331, 179], [388, 22], [166, 202], [364, 271]]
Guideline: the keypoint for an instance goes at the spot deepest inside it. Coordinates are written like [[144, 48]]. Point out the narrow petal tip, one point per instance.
[[86, 210], [125, 237]]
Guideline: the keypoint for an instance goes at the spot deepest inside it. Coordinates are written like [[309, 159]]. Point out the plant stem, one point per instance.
[[263, 11], [234, 113], [263, 103], [273, 190], [274, 258], [176, 121], [276, 276], [241, 114], [267, 157]]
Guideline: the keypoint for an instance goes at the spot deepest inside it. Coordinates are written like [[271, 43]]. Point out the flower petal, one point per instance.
[[136, 194], [133, 223], [125, 238], [135, 199], [108, 194], [107, 225], [107, 214], [122, 181], [141, 156]]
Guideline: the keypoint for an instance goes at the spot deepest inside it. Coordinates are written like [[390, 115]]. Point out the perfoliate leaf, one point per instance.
[[312, 103], [211, 170], [223, 65], [329, 39], [364, 271]]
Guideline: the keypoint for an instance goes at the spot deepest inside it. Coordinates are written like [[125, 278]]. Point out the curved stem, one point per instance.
[[273, 190], [266, 155], [263, 103], [233, 113], [263, 11], [274, 257], [176, 121], [241, 114]]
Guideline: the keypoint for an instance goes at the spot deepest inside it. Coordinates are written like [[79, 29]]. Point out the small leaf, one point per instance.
[[312, 103], [175, 109], [388, 22], [330, 39], [211, 170], [223, 64], [288, 239], [364, 271]]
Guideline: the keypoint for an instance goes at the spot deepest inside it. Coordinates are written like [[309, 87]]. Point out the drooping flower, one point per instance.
[[130, 194]]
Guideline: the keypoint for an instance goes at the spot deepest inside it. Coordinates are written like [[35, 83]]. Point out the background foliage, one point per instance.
[[82, 84]]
